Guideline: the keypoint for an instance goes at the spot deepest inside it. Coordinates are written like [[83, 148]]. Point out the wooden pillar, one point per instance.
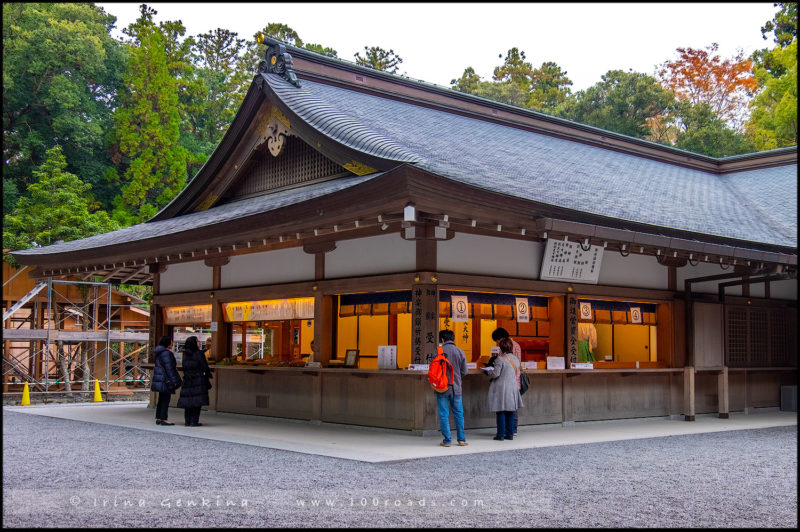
[[158, 327], [476, 339], [424, 321], [571, 320], [688, 393], [324, 328], [722, 393], [672, 278], [220, 329], [324, 312]]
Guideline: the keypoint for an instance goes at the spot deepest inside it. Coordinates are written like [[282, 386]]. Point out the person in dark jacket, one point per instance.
[[196, 382], [165, 379]]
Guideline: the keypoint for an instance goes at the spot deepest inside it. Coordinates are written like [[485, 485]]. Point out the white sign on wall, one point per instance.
[[523, 310], [460, 308], [387, 357], [567, 261], [636, 315], [585, 310]]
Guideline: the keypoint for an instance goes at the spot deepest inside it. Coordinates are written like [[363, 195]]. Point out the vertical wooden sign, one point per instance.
[[572, 329], [424, 322]]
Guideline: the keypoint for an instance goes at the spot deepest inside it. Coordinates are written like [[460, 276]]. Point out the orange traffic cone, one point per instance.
[[26, 396], [97, 397]]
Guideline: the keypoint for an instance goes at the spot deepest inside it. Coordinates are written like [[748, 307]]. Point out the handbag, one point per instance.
[[524, 383], [524, 380]]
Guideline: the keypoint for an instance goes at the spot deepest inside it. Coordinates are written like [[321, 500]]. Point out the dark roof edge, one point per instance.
[[581, 132], [250, 105]]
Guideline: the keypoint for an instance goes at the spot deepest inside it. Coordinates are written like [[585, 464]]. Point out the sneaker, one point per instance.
[[509, 437], [443, 444], [196, 425], [462, 443], [498, 438]]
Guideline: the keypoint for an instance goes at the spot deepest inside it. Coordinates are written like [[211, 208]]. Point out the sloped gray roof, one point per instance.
[[197, 220], [756, 206]]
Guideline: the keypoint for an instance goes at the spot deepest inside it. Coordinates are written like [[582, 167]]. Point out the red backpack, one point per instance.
[[437, 372]]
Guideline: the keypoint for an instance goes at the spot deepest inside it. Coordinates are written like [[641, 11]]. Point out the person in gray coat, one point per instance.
[[504, 396]]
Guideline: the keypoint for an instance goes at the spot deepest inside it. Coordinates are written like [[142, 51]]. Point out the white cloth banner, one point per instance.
[[523, 310], [460, 308]]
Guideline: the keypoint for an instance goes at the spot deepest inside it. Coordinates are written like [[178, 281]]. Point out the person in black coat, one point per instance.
[[196, 382], [165, 379]]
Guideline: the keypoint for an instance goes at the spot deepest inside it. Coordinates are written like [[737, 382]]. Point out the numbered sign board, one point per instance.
[[567, 261]]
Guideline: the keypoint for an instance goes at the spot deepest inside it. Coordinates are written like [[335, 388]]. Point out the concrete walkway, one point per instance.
[[384, 445]]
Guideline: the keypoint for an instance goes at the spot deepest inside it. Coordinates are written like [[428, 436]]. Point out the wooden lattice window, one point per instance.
[[297, 164], [759, 337], [737, 338]]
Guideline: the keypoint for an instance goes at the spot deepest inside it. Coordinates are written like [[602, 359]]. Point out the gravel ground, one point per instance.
[[63, 473]]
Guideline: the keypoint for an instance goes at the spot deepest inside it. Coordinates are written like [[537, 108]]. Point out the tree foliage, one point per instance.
[[701, 76], [57, 206], [147, 124], [773, 120], [61, 74], [784, 25], [546, 87], [621, 101], [516, 82], [379, 59]]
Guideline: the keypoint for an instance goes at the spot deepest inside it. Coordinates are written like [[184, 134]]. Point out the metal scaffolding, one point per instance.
[[74, 336]]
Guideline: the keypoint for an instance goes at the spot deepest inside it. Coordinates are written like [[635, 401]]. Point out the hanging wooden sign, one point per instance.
[[523, 310], [460, 308]]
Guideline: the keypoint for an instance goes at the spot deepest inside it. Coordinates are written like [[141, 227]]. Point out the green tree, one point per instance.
[[623, 102], [773, 117], [318, 48], [783, 25], [58, 206], [61, 74], [702, 131], [547, 86], [379, 59], [147, 126], [499, 91], [216, 55]]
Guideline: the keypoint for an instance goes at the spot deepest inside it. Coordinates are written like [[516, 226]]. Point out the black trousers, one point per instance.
[[162, 407], [191, 415]]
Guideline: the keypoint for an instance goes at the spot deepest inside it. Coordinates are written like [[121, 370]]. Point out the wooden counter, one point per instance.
[[401, 399]]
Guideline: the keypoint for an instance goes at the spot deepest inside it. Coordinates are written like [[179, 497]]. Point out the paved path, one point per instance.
[[379, 445]]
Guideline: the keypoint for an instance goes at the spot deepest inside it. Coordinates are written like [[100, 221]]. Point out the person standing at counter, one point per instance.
[[497, 335], [504, 397], [165, 379], [196, 382], [451, 399]]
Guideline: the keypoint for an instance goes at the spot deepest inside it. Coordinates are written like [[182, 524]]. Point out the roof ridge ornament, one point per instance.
[[278, 61]]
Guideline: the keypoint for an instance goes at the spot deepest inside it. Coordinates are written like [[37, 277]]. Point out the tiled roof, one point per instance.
[[757, 206], [196, 220]]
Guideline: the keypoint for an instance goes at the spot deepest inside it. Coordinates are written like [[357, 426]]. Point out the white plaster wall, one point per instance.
[[705, 269], [268, 267], [639, 271], [781, 289], [186, 277], [371, 256], [484, 255]]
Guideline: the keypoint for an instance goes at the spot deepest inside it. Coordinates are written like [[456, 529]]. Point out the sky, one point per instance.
[[437, 41]]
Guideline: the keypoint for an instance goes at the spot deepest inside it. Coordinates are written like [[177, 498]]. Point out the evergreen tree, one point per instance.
[[147, 127], [57, 206]]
